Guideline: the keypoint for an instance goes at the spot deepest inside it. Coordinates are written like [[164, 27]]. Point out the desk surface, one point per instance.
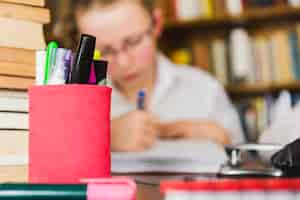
[[148, 184]]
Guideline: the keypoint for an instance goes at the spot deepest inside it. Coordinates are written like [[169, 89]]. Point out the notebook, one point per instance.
[[172, 156]]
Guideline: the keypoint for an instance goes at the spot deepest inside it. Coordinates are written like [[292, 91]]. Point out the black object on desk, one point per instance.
[[236, 168], [288, 159]]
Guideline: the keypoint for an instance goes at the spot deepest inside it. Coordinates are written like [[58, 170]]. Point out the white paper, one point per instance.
[[181, 156], [285, 127]]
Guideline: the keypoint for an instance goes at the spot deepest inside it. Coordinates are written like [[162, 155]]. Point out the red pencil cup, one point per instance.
[[69, 133]]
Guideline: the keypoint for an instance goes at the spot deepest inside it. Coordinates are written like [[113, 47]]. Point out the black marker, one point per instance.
[[101, 71], [84, 58]]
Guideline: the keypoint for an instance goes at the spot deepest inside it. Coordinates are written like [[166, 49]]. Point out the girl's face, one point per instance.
[[126, 39]]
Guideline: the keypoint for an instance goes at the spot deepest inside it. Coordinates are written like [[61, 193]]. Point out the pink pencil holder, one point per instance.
[[69, 136]]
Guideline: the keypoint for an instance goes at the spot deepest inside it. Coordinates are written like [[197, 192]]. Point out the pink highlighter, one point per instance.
[[97, 189], [110, 189]]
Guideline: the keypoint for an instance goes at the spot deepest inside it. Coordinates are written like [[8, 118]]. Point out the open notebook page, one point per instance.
[[176, 156]]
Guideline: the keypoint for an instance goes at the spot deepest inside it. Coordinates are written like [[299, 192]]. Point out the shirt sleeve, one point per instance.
[[225, 114]]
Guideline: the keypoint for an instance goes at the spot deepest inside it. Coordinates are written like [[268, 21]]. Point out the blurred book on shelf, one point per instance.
[[190, 9], [185, 10], [259, 57], [259, 113], [255, 115]]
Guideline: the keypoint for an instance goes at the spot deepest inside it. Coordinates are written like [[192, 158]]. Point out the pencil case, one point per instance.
[[69, 133]]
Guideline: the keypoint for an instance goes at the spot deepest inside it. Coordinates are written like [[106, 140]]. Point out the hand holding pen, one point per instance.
[[140, 125]]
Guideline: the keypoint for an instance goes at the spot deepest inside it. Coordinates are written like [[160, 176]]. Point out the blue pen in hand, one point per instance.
[[141, 100]]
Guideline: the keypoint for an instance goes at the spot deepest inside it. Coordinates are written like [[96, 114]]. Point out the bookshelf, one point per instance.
[[191, 34], [221, 24], [257, 15], [256, 89], [253, 93]]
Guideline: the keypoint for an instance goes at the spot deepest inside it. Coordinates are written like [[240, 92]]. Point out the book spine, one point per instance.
[[15, 83], [293, 44], [241, 58], [40, 3], [219, 60], [294, 3], [207, 9], [234, 7], [188, 10], [26, 13]]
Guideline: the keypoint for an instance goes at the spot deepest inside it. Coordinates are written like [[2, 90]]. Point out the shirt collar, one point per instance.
[[166, 78]]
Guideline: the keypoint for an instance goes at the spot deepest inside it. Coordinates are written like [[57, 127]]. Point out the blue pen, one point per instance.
[[141, 100]]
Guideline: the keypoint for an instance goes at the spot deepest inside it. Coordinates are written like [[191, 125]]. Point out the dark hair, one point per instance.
[[66, 31]]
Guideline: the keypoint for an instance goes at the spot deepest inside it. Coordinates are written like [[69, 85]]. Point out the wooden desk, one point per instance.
[[148, 184]]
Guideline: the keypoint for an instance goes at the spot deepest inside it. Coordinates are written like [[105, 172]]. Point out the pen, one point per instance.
[[50, 59], [82, 66], [97, 57], [141, 100], [100, 67], [69, 72], [92, 79], [57, 75], [67, 64]]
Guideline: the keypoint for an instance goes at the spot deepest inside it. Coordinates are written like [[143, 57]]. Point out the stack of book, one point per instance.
[[13, 136], [21, 35]]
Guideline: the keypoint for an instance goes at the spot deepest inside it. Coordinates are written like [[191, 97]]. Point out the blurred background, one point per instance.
[[251, 46]]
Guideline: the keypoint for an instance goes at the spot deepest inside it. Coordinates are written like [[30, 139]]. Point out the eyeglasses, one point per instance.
[[128, 44]]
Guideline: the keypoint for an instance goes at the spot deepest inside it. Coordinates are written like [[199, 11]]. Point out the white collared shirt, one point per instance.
[[186, 93]]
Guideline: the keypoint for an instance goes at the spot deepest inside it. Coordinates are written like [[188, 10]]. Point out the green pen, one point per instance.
[[50, 59]]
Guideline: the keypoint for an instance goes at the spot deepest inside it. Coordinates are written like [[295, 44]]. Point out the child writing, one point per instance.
[[181, 102]]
